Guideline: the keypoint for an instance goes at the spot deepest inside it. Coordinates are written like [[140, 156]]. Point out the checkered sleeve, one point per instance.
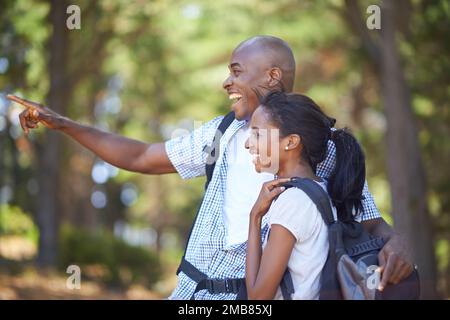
[[324, 170], [187, 153]]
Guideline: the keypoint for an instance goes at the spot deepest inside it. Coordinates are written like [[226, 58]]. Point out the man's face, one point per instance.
[[248, 75]]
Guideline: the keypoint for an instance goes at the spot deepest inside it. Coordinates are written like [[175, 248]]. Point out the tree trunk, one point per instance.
[[403, 160], [47, 214]]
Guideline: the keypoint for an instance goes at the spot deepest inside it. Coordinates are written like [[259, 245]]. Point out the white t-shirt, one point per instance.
[[242, 188], [296, 212]]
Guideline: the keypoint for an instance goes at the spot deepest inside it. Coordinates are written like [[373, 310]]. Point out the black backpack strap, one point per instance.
[[214, 150], [218, 286], [318, 196], [214, 286], [191, 271], [287, 286]]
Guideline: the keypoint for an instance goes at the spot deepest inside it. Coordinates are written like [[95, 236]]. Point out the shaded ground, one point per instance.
[[19, 278], [32, 285]]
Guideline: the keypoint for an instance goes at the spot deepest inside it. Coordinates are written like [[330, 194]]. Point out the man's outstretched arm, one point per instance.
[[122, 152]]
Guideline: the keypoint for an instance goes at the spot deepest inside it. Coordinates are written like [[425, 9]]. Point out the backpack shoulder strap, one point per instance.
[[317, 195], [214, 150]]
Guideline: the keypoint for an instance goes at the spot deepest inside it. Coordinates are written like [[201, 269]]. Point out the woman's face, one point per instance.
[[264, 143]]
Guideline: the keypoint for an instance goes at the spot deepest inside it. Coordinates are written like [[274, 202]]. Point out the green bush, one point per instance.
[[123, 264], [14, 221]]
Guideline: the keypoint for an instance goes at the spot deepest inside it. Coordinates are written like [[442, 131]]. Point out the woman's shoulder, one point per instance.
[[297, 212], [293, 196], [294, 203]]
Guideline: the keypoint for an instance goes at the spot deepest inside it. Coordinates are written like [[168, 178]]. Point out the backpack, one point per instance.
[[349, 271]]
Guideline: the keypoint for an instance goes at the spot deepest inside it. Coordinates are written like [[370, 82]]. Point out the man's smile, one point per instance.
[[235, 96]]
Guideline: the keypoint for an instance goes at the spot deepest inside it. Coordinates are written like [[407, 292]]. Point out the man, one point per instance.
[[217, 245]]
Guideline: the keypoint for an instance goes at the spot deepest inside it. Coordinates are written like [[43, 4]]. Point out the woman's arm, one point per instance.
[[258, 268], [264, 270]]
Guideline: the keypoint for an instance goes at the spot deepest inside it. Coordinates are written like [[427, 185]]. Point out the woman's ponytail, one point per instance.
[[346, 183]]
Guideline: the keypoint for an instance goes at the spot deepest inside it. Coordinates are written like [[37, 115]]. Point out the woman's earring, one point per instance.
[[286, 148]]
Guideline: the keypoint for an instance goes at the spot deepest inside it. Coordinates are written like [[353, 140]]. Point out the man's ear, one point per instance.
[[275, 75]]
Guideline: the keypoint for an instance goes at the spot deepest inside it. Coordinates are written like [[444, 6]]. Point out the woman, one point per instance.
[[298, 235]]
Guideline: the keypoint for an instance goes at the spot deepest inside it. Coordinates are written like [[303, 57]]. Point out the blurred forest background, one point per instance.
[[146, 68]]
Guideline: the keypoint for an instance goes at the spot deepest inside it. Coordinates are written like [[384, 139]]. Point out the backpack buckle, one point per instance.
[[216, 286]]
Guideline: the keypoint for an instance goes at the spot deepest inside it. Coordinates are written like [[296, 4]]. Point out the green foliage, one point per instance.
[[117, 263], [13, 221]]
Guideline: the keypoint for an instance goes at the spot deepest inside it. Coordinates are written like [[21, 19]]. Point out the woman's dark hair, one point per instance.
[[298, 114]]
